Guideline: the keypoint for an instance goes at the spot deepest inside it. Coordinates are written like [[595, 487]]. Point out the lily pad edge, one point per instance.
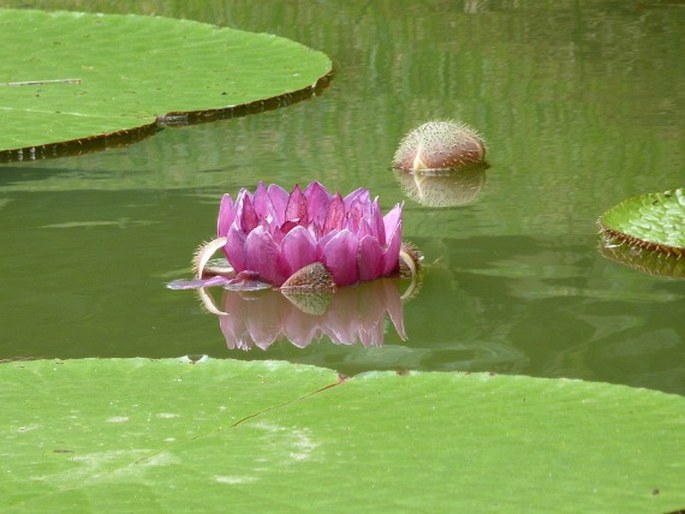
[[99, 142], [273, 364], [624, 237]]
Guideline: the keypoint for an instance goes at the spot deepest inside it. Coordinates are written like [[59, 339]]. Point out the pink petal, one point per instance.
[[393, 219], [340, 257], [354, 216], [370, 259], [262, 256], [322, 242], [393, 229], [279, 200], [357, 207], [359, 195], [235, 248], [318, 199], [226, 215], [335, 215], [296, 210], [262, 202], [298, 249], [376, 222], [366, 229], [245, 215]]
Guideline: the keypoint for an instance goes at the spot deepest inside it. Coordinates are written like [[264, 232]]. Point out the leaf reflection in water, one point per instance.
[[348, 316]]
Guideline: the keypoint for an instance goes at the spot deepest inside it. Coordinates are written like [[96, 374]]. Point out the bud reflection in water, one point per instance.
[[443, 189]]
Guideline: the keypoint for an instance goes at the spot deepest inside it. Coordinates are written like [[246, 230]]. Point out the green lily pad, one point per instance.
[[76, 77], [169, 436], [654, 221]]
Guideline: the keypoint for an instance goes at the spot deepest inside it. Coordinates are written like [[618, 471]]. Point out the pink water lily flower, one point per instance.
[[275, 234]]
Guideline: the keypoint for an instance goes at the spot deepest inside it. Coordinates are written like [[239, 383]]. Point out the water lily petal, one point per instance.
[[393, 219], [262, 256], [262, 202], [391, 255], [376, 222], [245, 215], [340, 257], [298, 249], [360, 196], [370, 259], [357, 205], [226, 215], [335, 215], [366, 229], [322, 242], [235, 248], [296, 210], [279, 200], [318, 199]]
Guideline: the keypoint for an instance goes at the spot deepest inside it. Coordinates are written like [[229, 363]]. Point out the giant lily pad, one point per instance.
[[169, 436], [79, 78], [653, 221]]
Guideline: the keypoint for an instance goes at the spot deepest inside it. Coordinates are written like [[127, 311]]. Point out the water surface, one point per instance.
[[581, 104]]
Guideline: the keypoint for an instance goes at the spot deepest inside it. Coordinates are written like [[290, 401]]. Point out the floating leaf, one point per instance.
[[75, 77], [169, 436], [654, 221]]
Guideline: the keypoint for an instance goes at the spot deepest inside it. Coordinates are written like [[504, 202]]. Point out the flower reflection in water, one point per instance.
[[305, 265], [350, 315]]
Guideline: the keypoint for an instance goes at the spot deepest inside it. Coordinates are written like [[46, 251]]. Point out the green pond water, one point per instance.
[[581, 103]]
